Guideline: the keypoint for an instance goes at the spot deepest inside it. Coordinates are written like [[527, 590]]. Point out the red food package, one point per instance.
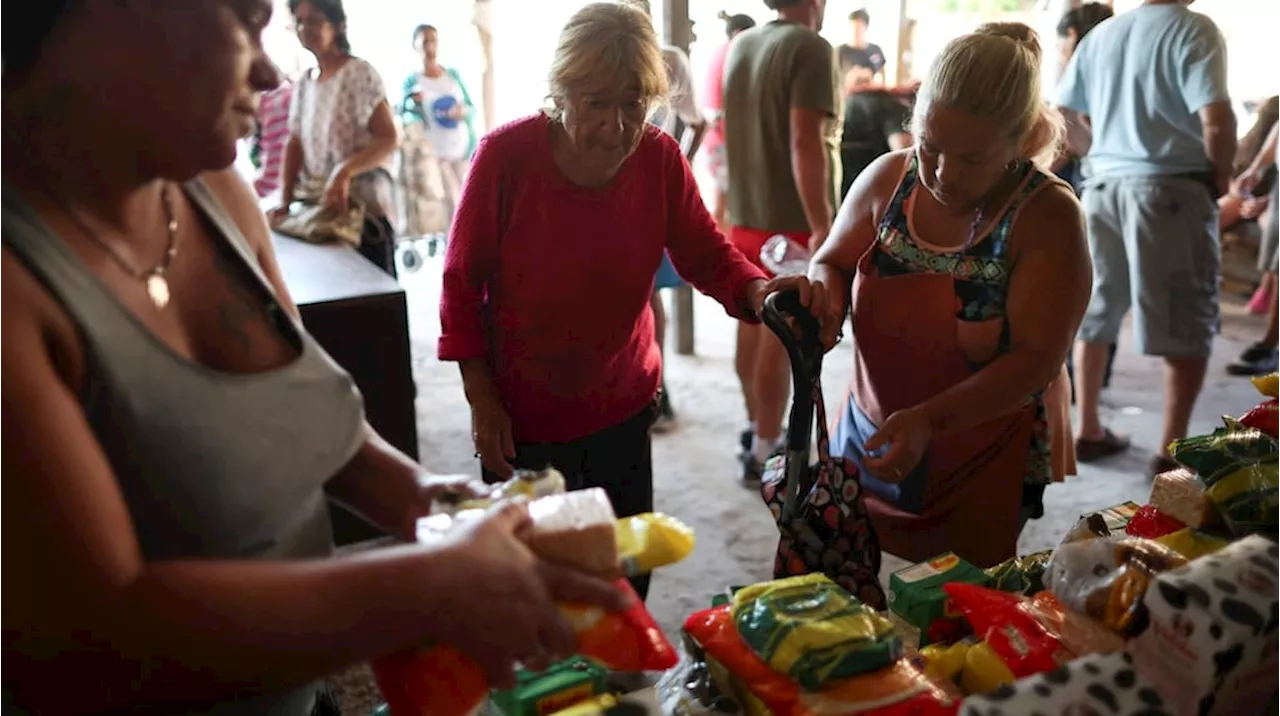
[[898, 690], [1019, 631], [1264, 416], [442, 681], [1152, 523]]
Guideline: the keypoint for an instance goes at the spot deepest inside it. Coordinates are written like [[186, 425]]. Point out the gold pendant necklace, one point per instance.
[[153, 279]]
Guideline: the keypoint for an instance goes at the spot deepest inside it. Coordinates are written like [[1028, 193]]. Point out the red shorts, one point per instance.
[[750, 241]]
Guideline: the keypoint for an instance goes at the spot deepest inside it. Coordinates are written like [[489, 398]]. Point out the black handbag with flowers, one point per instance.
[[818, 507]]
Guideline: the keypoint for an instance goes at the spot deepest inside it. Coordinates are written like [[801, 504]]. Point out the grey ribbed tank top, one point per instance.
[[212, 465]]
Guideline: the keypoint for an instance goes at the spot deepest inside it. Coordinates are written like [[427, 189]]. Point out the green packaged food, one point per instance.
[[1215, 456], [1021, 575], [915, 593], [812, 630], [1248, 498], [563, 685]]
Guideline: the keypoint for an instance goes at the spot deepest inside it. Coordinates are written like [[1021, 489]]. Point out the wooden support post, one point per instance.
[[678, 30]]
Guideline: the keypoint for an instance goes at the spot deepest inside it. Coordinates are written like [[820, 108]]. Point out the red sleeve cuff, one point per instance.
[[459, 347]]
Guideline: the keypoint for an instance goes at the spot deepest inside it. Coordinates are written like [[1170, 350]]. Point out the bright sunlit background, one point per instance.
[[525, 34]]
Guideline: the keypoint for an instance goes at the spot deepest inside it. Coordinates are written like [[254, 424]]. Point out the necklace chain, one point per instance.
[[154, 278]]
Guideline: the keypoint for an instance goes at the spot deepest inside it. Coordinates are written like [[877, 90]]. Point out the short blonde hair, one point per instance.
[[995, 72], [608, 46]]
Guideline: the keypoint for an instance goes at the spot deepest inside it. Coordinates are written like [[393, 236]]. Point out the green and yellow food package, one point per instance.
[[1247, 498], [812, 630], [1192, 543], [1224, 452], [651, 540], [559, 687], [1021, 575]]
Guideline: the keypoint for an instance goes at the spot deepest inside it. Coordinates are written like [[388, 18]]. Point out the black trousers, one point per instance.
[[618, 459]]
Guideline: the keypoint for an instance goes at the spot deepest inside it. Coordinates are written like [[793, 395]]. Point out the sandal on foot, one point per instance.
[[1094, 449]]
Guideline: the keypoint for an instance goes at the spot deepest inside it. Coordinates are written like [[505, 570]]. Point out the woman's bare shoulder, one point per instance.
[[33, 320], [241, 203]]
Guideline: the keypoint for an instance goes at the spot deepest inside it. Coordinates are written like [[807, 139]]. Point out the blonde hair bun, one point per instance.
[[1016, 31]]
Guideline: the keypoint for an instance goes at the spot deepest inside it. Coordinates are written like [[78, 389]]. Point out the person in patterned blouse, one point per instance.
[[342, 133], [972, 273]]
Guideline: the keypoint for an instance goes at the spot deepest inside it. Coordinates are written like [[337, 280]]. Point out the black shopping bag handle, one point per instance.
[[797, 328]]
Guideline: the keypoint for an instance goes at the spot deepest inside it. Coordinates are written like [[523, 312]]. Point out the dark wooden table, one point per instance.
[[360, 316]]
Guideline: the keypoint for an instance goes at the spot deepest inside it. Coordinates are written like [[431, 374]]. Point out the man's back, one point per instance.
[[1142, 77], [770, 70]]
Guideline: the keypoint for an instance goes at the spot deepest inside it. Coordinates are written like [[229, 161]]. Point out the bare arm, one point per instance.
[[83, 602], [1267, 155], [1048, 292], [853, 232], [810, 166], [693, 136], [289, 173], [383, 140], [1218, 126]]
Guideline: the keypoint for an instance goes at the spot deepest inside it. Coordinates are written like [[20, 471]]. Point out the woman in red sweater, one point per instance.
[[558, 234]]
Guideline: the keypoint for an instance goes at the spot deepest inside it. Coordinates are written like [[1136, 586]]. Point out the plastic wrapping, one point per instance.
[[1192, 543], [898, 690], [1106, 578], [652, 540], [1264, 416], [1019, 631], [812, 630], [784, 257], [1215, 456], [1268, 385], [1151, 523], [442, 681], [1021, 575], [688, 689], [1247, 498]]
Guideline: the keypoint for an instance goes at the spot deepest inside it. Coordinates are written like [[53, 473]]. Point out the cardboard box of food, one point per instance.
[[916, 596], [1094, 684], [1211, 638]]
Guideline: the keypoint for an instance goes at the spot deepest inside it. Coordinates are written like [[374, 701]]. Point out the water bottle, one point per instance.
[[784, 257]]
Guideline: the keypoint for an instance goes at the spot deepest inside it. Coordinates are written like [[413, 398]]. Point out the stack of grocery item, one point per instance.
[[1164, 608], [803, 646], [577, 529]]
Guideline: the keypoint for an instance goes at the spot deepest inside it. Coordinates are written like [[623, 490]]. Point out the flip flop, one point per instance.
[[1095, 449]]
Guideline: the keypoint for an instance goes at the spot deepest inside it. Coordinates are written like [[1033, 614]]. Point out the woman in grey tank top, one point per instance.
[[170, 432]]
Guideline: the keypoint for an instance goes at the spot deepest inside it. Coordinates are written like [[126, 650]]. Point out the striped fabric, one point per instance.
[[273, 135]]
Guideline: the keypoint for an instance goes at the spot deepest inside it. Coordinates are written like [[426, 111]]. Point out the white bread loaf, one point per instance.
[[1180, 494], [576, 529]]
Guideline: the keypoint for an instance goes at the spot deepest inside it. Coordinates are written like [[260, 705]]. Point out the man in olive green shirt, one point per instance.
[[782, 142]]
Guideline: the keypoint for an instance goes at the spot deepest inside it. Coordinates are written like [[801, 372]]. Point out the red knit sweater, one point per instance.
[[550, 281]]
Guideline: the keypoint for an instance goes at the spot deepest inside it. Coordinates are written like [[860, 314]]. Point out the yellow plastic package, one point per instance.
[[984, 670], [1268, 385], [652, 540], [1192, 543], [946, 663]]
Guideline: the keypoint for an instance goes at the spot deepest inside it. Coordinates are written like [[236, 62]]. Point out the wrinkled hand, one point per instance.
[[813, 296], [337, 190], [491, 433], [496, 602], [906, 433]]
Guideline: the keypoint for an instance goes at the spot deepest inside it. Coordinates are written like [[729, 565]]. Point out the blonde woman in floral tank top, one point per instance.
[[967, 271]]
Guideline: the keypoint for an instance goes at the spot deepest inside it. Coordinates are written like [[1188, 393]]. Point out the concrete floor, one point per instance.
[[696, 474]]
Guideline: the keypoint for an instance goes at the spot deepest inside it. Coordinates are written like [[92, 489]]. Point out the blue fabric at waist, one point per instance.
[[851, 432]]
